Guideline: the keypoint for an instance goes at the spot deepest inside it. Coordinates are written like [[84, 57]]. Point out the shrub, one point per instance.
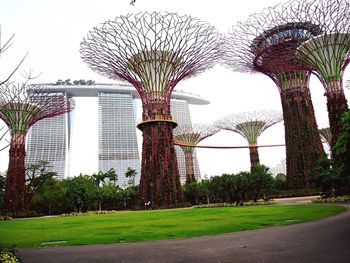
[[5, 218], [338, 199], [9, 256], [233, 204], [102, 212]]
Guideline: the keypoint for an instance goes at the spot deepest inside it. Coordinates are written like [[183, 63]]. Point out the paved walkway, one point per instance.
[[295, 200], [326, 240]]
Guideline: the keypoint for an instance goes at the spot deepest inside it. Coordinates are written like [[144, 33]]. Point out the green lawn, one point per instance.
[[151, 225]]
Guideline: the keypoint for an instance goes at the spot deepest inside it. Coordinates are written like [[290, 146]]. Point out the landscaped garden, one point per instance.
[[153, 224]]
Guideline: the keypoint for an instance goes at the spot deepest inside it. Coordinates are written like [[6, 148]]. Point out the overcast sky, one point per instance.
[[51, 31]]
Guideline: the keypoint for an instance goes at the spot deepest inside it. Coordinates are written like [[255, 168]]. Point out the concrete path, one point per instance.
[[326, 240], [295, 200]]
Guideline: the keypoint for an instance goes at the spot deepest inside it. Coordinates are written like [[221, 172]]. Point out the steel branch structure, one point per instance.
[[154, 51], [20, 107], [188, 135], [266, 43], [328, 54], [250, 125]]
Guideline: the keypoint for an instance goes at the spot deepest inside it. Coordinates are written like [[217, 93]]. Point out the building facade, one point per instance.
[[50, 139], [117, 141]]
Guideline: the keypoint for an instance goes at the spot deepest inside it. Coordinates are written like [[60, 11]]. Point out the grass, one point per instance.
[[152, 225]]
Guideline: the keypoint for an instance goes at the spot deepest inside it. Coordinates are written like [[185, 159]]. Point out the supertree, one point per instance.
[[266, 43], [187, 137], [250, 125], [154, 51], [21, 106], [326, 135], [328, 54]]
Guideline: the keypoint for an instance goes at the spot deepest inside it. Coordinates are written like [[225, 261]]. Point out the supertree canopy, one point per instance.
[[266, 43], [20, 107], [187, 137], [328, 54], [250, 125], [154, 51]]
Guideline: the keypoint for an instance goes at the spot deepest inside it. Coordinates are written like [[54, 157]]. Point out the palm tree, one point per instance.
[[112, 175], [131, 173]]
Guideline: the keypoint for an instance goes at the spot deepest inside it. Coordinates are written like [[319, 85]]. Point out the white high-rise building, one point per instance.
[[117, 142], [50, 139]]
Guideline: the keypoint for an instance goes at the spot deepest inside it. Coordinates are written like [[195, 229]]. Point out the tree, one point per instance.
[[130, 197], [342, 153], [131, 173], [51, 198], [280, 182], [109, 197], [325, 176], [192, 192], [90, 82], [99, 178], [260, 182], [36, 176], [81, 193], [242, 189], [112, 176]]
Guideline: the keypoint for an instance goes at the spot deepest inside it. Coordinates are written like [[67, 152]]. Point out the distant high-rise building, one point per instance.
[[118, 148], [48, 140], [117, 142]]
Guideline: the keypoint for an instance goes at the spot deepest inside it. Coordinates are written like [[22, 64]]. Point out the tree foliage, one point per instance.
[[232, 188], [81, 193], [325, 176], [341, 153], [36, 176], [80, 82]]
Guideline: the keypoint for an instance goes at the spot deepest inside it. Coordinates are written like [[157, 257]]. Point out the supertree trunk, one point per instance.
[[303, 143], [337, 105], [160, 181], [189, 167], [254, 155], [15, 188]]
